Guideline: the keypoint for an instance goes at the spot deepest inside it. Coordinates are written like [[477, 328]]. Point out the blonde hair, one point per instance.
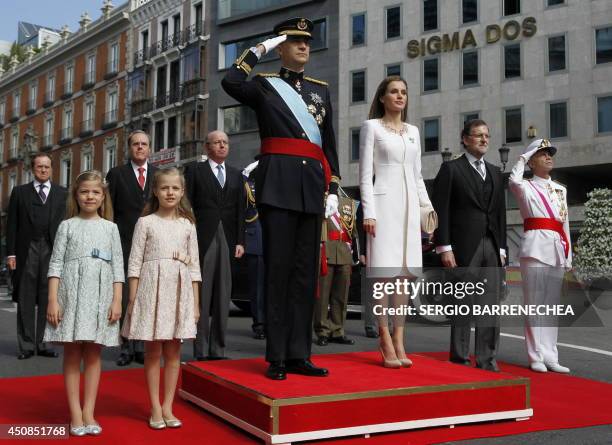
[[73, 209], [377, 109], [184, 207]]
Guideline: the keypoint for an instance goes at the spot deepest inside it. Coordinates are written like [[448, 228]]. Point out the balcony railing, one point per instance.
[[66, 135], [86, 128], [141, 105], [194, 87], [68, 90], [31, 107], [110, 119], [190, 150], [177, 39], [49, 98], [89, 79], [141, 55], [14, 116], [112, 69], [47, 142]]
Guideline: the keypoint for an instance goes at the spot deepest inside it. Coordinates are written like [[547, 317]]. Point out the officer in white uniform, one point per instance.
[[545, 251]]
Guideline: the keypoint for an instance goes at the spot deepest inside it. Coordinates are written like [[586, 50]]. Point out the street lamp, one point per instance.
[[447, 154], [503, 155]]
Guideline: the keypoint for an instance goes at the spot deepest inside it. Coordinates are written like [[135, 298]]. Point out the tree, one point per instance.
[[17, 50], [593, 259]]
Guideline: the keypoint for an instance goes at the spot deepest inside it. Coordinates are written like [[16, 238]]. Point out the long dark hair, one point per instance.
[[184, 207], [377, 109]]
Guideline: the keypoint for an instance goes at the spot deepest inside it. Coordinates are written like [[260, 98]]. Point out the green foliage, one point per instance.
[[17, 50], [593, 257]]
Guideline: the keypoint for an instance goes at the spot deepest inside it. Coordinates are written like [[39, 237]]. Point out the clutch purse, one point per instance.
[[429, 220]]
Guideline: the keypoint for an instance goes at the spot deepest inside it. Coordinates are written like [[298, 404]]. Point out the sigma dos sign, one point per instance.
[[138, 3], [511, 30]]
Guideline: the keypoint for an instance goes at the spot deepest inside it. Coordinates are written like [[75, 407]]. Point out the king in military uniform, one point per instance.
[[298, 163]]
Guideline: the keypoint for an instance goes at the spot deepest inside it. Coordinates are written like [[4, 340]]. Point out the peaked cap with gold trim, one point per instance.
[[295, 27]]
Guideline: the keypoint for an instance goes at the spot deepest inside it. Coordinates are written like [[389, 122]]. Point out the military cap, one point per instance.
[[295, 27], [540, 144]]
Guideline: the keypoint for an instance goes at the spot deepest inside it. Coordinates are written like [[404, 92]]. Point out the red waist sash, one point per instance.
[[297, 147], [338, 236], [548, 224]]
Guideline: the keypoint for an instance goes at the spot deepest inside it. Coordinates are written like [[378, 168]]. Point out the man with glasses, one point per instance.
[[470, 202], [34, 214], [217, 195]]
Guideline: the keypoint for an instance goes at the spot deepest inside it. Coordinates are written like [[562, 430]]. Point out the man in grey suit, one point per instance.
[[217, 195]]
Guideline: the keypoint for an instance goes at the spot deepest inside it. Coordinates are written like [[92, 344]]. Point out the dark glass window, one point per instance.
[[512, 61], [514, 125], [512, 7], [358, 86], [470, 11], [603, 45], [394, 70], [354, 155], [172, 142], [232, 8], [469, 117], [430, 15], [239, 119], [555, 2], [556, 53], [558, 120], [393, 22], [430, 75], [431, 134], [604, 114], [470, 68], [159, 135], [359, 30]]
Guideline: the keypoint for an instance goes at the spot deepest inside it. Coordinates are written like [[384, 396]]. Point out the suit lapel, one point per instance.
[[29, 197], [131, 180], [471, 180], [496, 184], [213, 181]]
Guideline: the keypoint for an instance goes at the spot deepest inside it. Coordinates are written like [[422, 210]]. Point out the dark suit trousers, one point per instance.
[[214, 297], [291, 254], [483, 265], [33, 292]]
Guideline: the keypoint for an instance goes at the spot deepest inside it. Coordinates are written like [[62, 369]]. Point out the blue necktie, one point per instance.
[[41, 192], [220, 175]]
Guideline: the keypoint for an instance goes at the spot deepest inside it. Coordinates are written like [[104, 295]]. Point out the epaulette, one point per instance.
[[268, 74], [558, 183], [320, 82]]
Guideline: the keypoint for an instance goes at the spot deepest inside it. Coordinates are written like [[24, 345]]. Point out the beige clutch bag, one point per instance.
[[429, 220]]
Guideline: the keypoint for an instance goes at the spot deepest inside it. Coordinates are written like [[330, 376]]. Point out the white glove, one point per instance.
[[249, 168], [331, 205], [272, 43]]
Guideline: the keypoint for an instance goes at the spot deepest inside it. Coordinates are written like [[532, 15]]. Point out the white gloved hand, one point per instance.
[[331, 205], [249, 168], [272, 43]]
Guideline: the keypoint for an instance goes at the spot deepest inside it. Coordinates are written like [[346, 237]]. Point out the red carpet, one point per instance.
[[559, 402]]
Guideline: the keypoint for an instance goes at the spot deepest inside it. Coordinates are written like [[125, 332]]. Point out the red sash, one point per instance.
[[548, 224], [297, 147], [338, 236]]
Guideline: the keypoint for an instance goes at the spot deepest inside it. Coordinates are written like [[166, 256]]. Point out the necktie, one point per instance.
[[479, 168], [220, 175], [141, 178], [41, 193]]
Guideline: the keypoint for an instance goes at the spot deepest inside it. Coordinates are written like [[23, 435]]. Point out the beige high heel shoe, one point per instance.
[[393, 363]]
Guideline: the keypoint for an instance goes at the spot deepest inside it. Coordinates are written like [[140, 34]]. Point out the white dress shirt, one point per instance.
[[46, 189], [135, 167], [213, 166]]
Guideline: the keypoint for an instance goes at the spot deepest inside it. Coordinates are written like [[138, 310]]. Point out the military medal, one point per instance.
[[298, 85], [312, 109], [316, 98]]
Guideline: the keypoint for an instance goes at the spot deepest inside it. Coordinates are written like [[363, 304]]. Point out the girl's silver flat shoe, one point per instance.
[[78, 430], [93, 430], [173, 423], [159, 425]]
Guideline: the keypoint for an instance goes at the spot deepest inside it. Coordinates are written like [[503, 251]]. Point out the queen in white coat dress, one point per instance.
[[392, 194]]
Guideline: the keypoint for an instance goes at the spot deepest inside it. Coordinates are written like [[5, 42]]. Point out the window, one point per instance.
[[557, 115], [556, 53], [431, 134], [14, 142], [603, 45], [67, 124], [234, 8], [197, 14], [50, 96], [16, 103], [1, 152], [112, 107], [512, 7], [12, 182], [394, 69], [144, 40], [230, 51], [358, 29], [65, 172], [113, 62], [48, 134], [469, 11], [90, 70], [514, 125], [430, 15], [172, 142], [554, 2], [176, 28], [2, 112], [354, 154], [470, 68], [69, 77], [358, 93], [86, 161], [465, 117], [393, 22], [88, 117], [512, 61], [239, 119], [430, 74], [33, 96], [604, 114], [159, 135], [110, 153]]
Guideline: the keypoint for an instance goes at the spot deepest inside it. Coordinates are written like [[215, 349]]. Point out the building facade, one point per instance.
[[237, 25], [530, 69], [66, 101], [167, 90]]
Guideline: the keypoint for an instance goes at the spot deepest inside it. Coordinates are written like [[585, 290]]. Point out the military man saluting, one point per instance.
[[297, 163]]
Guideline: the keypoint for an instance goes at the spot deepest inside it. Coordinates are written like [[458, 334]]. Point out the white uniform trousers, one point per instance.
[[541, 286]]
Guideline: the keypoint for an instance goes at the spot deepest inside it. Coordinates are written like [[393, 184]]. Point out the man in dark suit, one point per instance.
[[470, 202], [130, 188], [217, 195], [35, 212]]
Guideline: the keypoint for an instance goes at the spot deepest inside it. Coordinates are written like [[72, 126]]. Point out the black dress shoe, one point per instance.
[[47, 353], [124, 359], [25, 355], [371, 333], [343, 340], [200, 358], [306, 367], [322, 340], [139, 357], [462, 362], [277, 371], [216, 357], [259, 334]]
